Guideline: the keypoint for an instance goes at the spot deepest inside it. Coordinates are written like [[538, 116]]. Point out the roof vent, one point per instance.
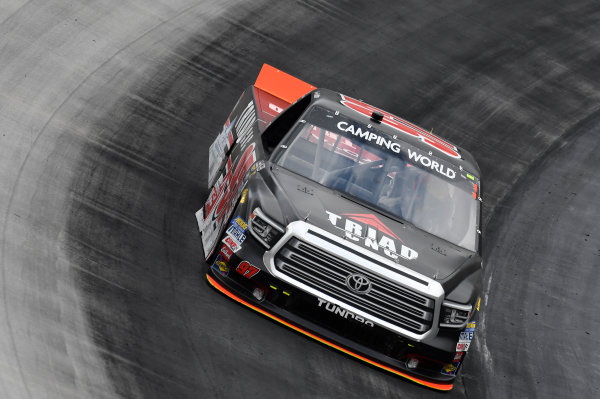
[[376, 117]]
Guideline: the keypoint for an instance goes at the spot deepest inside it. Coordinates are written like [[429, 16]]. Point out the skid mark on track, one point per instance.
[[218, 51], [255, 32], [332, 10], [201, 69], [98, 255], [157, 108], [114, 213], [134, 158]]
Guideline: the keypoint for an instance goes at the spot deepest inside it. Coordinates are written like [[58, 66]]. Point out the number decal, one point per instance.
[[247, 270]]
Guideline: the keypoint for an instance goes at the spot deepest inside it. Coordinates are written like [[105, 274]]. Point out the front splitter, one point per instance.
[[442, 386]]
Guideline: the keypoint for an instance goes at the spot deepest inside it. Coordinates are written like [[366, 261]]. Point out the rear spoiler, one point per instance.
[[281, 85]]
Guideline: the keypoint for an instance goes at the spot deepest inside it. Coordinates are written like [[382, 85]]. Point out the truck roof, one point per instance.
[[280, 90]]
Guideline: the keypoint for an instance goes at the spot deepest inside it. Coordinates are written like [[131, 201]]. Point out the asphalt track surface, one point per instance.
[[106, 112]]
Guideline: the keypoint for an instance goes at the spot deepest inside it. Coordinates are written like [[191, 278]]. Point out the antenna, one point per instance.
[[376, 117]]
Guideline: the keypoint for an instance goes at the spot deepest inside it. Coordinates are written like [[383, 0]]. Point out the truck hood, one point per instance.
[[303, 199]]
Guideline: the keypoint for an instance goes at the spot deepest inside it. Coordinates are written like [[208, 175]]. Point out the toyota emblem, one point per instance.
[[358, 283]]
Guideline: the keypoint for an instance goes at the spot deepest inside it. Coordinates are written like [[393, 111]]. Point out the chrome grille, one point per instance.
[[324, 272]]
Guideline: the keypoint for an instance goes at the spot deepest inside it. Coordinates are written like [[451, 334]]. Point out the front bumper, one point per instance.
[[276, 308]]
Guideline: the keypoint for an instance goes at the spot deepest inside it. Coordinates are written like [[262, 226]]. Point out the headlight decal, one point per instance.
[[455, 315], [264, 229]]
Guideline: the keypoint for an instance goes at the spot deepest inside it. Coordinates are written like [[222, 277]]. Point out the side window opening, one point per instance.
[[281, 125]]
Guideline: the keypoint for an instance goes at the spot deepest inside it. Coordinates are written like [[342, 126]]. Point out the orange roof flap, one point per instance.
[[281, 84]]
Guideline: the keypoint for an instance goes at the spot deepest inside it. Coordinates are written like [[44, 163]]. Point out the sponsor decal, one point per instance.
[[458, 356], [244, 196], [369, 136], [218, 148], [221, 201], [226, 252], [450, 368], [232, 243], [240, 224], [247, 270], [462, 346], [346, 314], [475, 188], [253, 171], [434, 165], [244, 125], [236, 233], [475, 184], [275, 108], [472, 324], [369, 231], [220, 266], [403, 126], [466, 336], [234, 174]]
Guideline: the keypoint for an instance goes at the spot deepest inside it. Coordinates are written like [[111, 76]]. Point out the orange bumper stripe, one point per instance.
[[434, 385]]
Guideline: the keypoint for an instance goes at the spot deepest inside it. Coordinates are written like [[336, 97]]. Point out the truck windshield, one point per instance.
[[386, 174]]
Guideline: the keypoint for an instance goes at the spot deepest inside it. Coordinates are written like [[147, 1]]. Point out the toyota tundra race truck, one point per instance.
[[347, 224]]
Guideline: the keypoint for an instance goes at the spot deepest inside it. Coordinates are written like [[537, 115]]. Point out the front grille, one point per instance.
[[324, 272]]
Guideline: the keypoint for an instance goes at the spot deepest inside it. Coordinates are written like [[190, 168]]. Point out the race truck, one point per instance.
[[347, 224]]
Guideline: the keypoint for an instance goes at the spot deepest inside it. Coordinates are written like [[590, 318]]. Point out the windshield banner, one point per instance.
[[358, 132]]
